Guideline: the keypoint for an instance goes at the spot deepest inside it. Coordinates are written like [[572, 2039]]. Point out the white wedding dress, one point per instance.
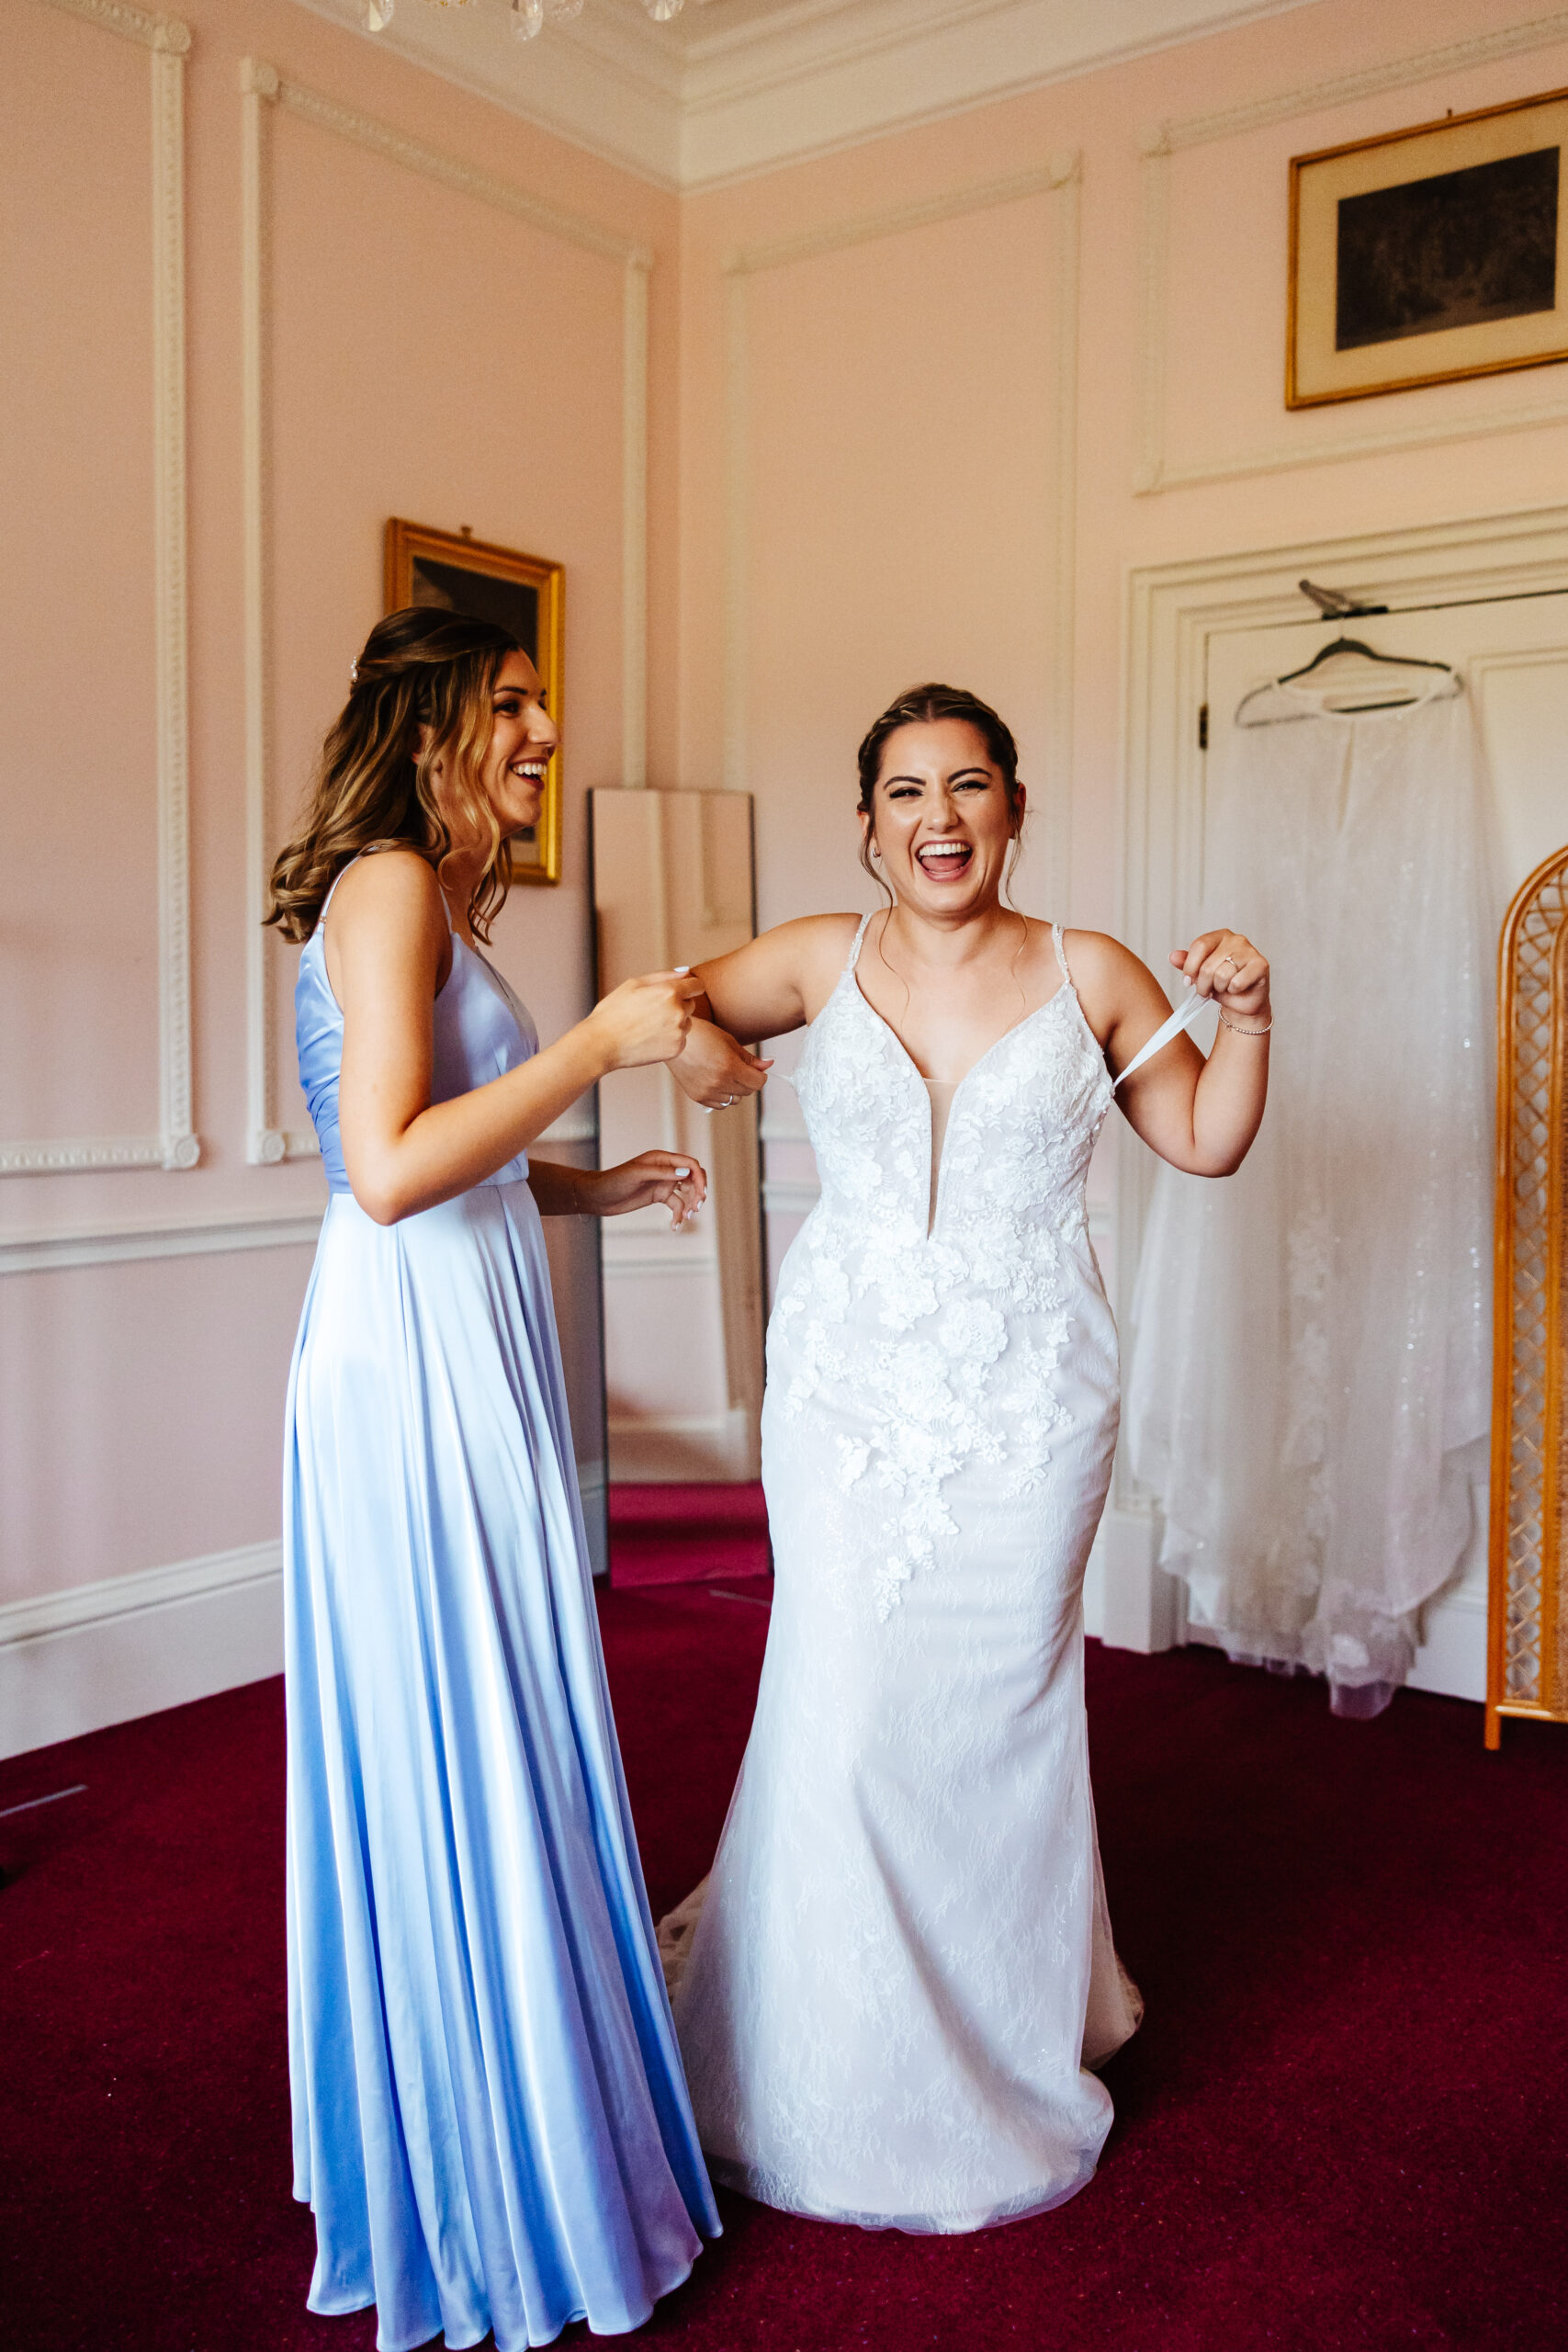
[[903, 1965]]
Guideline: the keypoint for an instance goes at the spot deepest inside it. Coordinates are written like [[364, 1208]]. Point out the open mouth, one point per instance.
[[944, 861], [530, 771]]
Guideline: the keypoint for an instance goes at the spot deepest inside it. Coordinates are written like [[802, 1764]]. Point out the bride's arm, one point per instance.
[[766, 988], [1198, 1115]]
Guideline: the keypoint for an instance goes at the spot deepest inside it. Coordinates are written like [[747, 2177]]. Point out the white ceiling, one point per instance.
[[732, 87]]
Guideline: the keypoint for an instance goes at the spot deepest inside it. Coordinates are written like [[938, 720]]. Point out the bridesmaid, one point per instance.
[[490, 2124]]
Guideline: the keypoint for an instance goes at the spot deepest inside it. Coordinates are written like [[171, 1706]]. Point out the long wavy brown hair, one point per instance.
[[421, 668]]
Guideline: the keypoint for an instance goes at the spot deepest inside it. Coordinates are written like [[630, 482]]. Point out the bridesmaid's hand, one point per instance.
[[714, 1070], [645, 1019], [1225, 966], [672, 1177]]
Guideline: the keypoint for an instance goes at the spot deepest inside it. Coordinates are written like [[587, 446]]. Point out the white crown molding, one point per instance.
[[175, 1145], [715, 97], [1060, 181], [1316, 444], [262, 89]]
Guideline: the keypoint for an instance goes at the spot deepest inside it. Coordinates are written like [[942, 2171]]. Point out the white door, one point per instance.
[[1513, 655]]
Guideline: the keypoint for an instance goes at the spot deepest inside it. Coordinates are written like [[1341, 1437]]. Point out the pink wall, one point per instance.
[[899, 503], [434, 357], [431, 357]]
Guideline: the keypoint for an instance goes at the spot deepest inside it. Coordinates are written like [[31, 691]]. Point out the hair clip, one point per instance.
[[354, 671]]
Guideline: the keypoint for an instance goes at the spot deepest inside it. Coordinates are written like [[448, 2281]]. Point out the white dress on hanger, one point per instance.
[[904, 1965], [1311, 1348]]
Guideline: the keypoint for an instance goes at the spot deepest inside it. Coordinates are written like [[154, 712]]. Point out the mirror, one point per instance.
[[673, 884]]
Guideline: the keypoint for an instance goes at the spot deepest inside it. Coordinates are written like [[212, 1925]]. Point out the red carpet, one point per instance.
[[687, 1534], [1343, 2124]]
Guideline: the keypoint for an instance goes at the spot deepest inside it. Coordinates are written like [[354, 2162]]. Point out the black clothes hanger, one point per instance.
[[1341, 645], [1355, 645]]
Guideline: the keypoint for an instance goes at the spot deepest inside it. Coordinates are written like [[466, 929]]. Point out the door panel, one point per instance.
[[1512, 654]]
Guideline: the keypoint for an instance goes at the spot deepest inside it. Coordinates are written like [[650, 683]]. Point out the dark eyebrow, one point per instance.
[[978, 769]]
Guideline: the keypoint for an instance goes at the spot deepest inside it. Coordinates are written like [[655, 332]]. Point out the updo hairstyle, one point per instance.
[[421, 667], [918, 706]]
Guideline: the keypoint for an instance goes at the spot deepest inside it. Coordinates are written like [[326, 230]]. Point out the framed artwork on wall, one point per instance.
[[1430, 253], [526, 593]]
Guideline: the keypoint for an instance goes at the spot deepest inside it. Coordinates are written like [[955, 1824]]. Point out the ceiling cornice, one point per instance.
[[711, 99]]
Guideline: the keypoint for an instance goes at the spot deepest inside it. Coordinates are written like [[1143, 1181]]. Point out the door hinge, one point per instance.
[[1202, 727]]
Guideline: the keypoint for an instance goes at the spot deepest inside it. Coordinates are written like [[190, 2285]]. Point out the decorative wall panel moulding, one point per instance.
[[113, 1245], [263, 88], [175, 1145], [170, 34], [1313, 447], [1060, 180]]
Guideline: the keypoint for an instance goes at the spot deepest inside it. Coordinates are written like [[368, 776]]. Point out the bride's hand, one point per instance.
[[714, 1070], [672, 1177], [1224, 965]]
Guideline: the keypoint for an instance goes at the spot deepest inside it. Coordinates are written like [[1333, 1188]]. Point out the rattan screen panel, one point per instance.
[[1528, 1648]]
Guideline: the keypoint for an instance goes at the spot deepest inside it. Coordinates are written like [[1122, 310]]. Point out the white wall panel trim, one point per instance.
[[1154, 470], [170, 34], [1060, 178], [110, 1245], [261, 88], [176, 1145]]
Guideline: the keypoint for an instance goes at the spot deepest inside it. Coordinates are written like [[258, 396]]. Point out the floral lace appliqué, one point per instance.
[[935, 1351]]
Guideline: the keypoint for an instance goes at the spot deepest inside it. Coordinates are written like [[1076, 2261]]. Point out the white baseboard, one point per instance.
[[73, 1662], [1452, 1658], [1131, 1604], [717, 1446], [1129, 1601]]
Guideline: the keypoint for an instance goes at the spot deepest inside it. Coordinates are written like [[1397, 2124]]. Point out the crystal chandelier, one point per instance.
[[528, 17]]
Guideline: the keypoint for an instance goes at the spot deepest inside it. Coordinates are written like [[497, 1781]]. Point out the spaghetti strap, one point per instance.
[[1061, 953], [1186, 1014], [854, 951]]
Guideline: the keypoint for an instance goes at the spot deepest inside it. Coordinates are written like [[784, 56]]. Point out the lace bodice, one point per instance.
[[948, 1338]]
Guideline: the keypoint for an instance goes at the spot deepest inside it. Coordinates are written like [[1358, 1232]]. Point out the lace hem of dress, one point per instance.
[[785, 2196]]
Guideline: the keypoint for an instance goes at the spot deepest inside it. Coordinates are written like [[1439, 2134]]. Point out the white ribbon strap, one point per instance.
[[1182, 1018]]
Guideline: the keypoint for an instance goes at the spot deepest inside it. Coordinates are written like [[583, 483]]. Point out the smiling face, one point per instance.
[[940, 818], [522, 737]]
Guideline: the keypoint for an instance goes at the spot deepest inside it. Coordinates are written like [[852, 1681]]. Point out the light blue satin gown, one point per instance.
[[490, 2122]]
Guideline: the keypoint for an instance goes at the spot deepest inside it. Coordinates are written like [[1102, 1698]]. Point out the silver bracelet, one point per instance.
[[1246, 1033]]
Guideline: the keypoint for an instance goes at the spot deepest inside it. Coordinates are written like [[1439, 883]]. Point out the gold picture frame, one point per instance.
[[526, 593], [1430, 255]]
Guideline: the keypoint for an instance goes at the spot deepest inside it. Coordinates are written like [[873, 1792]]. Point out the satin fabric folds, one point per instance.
[[489, 2118]]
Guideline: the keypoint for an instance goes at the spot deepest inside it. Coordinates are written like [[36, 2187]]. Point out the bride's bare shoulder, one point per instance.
[[1112, 983]]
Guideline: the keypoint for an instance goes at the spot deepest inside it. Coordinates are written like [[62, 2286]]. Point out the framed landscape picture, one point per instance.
[[1430, 253], [526, 593]]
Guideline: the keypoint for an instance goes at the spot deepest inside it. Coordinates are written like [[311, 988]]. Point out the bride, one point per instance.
[[903, 1965]]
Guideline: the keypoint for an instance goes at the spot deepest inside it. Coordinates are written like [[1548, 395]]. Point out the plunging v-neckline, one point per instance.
[[1063, 988]]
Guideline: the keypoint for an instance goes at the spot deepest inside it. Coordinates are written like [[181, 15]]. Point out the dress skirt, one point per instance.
[[490, 2124]]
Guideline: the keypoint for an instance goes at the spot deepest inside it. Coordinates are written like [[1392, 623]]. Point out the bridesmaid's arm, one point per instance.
[[671, 1178], [387, 947], [766, 988]]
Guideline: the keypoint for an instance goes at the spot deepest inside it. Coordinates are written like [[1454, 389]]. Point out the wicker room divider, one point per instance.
[[1526, 1670]]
